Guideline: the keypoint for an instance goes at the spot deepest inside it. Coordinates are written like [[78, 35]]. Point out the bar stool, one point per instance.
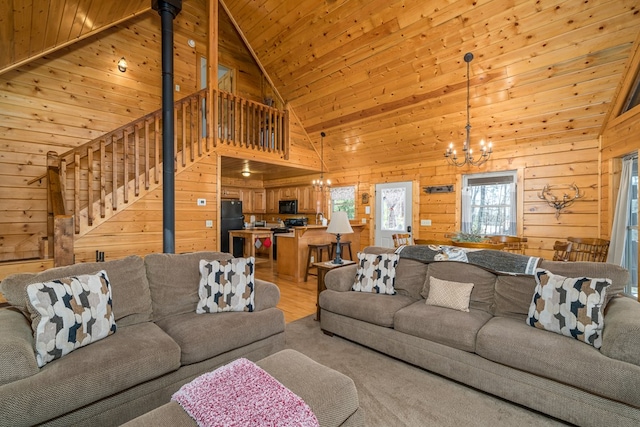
[[343, 243], [318, 249]]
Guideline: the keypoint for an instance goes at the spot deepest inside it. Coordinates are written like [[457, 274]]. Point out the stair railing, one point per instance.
[[122, 165]]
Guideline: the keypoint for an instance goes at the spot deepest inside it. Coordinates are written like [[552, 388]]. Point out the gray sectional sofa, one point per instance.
[[159, 345], [491, 347]]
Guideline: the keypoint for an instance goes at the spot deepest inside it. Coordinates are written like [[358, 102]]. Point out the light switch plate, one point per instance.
[[367, 210], [209, 223], [425, 222], [202, 202], [364, 220]]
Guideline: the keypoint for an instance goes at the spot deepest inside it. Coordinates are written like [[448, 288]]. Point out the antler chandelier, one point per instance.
[[321, 184], [485, 151]]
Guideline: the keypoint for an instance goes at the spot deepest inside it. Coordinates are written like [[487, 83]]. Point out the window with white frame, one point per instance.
[[489, 203], [344, 199]]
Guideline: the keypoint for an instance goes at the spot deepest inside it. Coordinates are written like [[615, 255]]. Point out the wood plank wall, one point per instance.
[[77, 94], [73, 96]]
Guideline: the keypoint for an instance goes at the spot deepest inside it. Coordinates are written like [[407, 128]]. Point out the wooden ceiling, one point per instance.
[[30, 29], [386, 80]]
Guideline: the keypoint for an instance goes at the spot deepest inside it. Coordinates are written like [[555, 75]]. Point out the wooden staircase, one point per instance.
[[103, 176]]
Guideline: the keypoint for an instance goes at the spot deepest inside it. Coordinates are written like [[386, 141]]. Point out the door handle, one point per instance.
[[408, 229]]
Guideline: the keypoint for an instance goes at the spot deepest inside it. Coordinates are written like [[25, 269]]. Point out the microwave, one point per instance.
[[288, 207]]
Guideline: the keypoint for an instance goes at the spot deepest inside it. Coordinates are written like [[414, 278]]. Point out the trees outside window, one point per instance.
[[489, 203]]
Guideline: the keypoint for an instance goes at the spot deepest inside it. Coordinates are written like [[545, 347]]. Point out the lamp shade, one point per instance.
[[339, 223]]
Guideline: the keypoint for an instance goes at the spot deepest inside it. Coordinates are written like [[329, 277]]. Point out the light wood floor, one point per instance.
[[297, 300]]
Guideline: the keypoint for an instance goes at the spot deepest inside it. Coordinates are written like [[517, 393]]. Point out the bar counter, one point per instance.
[[293, 248]]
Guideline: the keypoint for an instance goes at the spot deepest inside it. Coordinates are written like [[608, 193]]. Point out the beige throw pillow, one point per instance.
[[444, 293]]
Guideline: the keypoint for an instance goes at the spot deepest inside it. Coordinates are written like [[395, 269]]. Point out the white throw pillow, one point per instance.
[[376, 273], [445, 293], [69, 313], [226, 285]]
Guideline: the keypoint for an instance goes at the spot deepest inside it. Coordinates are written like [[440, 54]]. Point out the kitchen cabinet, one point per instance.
[[307, 199], [259, 201], [247, 200], [230, 193], [272, 200], [289, 193]]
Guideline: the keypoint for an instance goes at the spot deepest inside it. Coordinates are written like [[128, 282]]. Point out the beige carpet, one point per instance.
[[394, 393]]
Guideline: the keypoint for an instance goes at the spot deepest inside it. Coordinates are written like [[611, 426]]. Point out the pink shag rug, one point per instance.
[[242, 394]]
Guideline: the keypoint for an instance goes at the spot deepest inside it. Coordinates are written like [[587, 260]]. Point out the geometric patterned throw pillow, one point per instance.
[[69, 313], [569, 306], [376, 273], [226, 285], [444, 293]]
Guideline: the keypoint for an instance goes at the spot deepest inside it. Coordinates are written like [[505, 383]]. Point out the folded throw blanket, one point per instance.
[[242, 394], [498, 261]]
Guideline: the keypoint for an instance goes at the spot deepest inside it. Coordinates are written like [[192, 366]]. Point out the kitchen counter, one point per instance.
[[293, 249]]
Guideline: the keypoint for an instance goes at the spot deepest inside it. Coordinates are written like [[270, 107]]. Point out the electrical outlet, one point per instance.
[[364, 220], [202, 202], [177, 88], [312, 259], [425, 222], [209, 223]]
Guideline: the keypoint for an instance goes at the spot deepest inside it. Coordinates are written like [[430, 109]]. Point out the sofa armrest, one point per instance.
[[621, 334], [267, 295], [341, 279], [17, 356]]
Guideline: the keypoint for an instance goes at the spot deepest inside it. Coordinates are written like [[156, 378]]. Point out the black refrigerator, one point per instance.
[[231, 218]]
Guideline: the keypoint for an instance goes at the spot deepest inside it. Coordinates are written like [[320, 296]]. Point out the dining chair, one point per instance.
[[512, 244], [588, 249], [561, 250], [401, 239]]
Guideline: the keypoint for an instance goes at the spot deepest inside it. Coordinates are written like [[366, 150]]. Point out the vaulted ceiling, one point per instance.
[[29, 29], [386, 80]]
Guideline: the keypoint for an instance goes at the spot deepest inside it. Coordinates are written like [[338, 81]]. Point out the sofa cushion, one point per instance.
[[226, 285], [483, 281], [621, 335], [378, 309], [17, 360], [69, 313], [129, 287], [130, 357], [174, 281], [513, 343], [376, 273], [453, 328], [203, 336], [449, 294], [512, 296], [569, 306]]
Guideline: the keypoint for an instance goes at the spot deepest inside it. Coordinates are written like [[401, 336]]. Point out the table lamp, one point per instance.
[[338, 225]]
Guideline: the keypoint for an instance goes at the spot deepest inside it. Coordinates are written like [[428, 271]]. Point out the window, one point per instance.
[[344, 199], [489, 203]]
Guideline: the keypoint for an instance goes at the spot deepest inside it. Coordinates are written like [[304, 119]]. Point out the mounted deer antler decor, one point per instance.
[[566, 200]]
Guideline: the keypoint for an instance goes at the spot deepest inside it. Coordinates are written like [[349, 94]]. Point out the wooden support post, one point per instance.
[[63, 240]]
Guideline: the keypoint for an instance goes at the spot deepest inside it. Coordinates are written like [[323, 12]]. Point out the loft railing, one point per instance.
[[101, 176]]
